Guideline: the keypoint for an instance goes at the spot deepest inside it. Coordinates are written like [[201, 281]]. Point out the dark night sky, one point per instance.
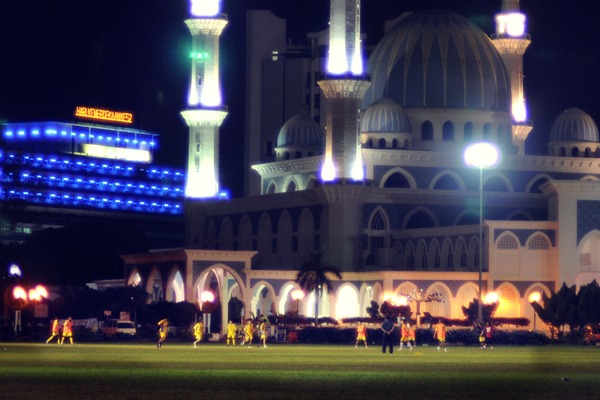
[[46, 61]]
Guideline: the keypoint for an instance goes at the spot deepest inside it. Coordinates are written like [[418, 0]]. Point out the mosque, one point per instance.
[[362, 160]]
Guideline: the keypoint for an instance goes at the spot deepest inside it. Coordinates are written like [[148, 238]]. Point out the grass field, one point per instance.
[[214, 371]]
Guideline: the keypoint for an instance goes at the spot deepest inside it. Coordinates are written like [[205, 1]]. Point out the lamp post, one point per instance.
[[534, 297], [481, 155], [297, 295]]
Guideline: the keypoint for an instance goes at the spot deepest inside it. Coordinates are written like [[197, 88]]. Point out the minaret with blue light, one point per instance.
[[205, 112], [344, 85], [511, 39]]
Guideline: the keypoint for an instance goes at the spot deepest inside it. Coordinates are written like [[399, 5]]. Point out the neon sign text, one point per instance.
[[106, 115]]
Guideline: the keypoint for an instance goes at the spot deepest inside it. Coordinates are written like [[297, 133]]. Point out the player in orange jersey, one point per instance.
[[440, 333], [361, 334]]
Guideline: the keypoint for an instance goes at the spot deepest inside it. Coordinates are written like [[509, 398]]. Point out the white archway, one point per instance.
[[347, 305]]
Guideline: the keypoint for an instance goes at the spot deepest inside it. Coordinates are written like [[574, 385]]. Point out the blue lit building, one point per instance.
[[65, 172]]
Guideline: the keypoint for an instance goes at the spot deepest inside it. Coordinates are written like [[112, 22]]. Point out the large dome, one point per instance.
[[301, 131], [385, 115], [438, 58], [574, 125]]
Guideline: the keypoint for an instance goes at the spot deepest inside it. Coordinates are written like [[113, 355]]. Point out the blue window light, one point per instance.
[[21, 133], [36, 132]]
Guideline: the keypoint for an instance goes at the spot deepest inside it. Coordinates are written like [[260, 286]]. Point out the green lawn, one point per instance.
[[177, 371]]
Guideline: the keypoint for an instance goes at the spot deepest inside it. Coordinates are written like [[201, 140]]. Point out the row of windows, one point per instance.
[[575, 152], [468, 130]]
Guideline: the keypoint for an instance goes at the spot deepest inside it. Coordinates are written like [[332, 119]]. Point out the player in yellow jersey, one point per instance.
[[198, 332], [249, 332], [163, 330], [263, 333], [231, 332], [412, 337], [361, 334], [67, 331], [55, 332]]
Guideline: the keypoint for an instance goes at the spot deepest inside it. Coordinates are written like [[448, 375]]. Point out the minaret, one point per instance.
[[344, 86], [511, 40], [204, 113]]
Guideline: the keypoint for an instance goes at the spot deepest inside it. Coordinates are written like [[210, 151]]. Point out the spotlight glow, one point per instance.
[[482, 155], [519, 111], [297, 294], [490, 298], [535, 297], [328, 171], [14, 270], [207, 296], [205, 8], [512, 24], [19, 293]]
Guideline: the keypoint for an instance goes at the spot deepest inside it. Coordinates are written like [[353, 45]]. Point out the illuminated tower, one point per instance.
[[344, 86], [511, 40], [205, 112]]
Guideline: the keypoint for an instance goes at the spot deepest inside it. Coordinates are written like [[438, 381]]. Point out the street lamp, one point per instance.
[[534, 297], [297, 295], [481, 155]]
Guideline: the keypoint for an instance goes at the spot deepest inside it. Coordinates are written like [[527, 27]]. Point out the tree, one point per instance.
[[589, 303], [314, 277], [472, 311], [373, 311], [235, 309], [559, 309]]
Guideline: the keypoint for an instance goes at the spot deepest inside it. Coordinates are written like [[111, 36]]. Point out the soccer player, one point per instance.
[[163, 330], [361, 334], [412, 335], [249, 331], [388, 328], [404, 331], [198, 332], [231, 332], [55, 332], [263, 333], [489, 333], [67, 331], [440, 333]]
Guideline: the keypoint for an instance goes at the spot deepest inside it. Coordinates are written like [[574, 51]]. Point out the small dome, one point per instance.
[[574, 125], [301, 131], [385, 115]]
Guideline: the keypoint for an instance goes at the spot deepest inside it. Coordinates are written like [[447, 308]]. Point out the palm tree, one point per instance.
[[313, 277]]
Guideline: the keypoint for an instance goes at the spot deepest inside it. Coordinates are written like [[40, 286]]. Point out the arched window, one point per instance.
[[286, 155], [427, 131], [396, 180], [382, 143], [574, 152], [562, 152], [450, 261], [588, 152], [507, 242], [495, 184], [487, 129], [538, 243], [378, 223], [424, 261], [395, 144], [420, 219], [291, 187], [463, 257], [298, 154], [468, 134], [369, 143], [448, 131], [446, 182]]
